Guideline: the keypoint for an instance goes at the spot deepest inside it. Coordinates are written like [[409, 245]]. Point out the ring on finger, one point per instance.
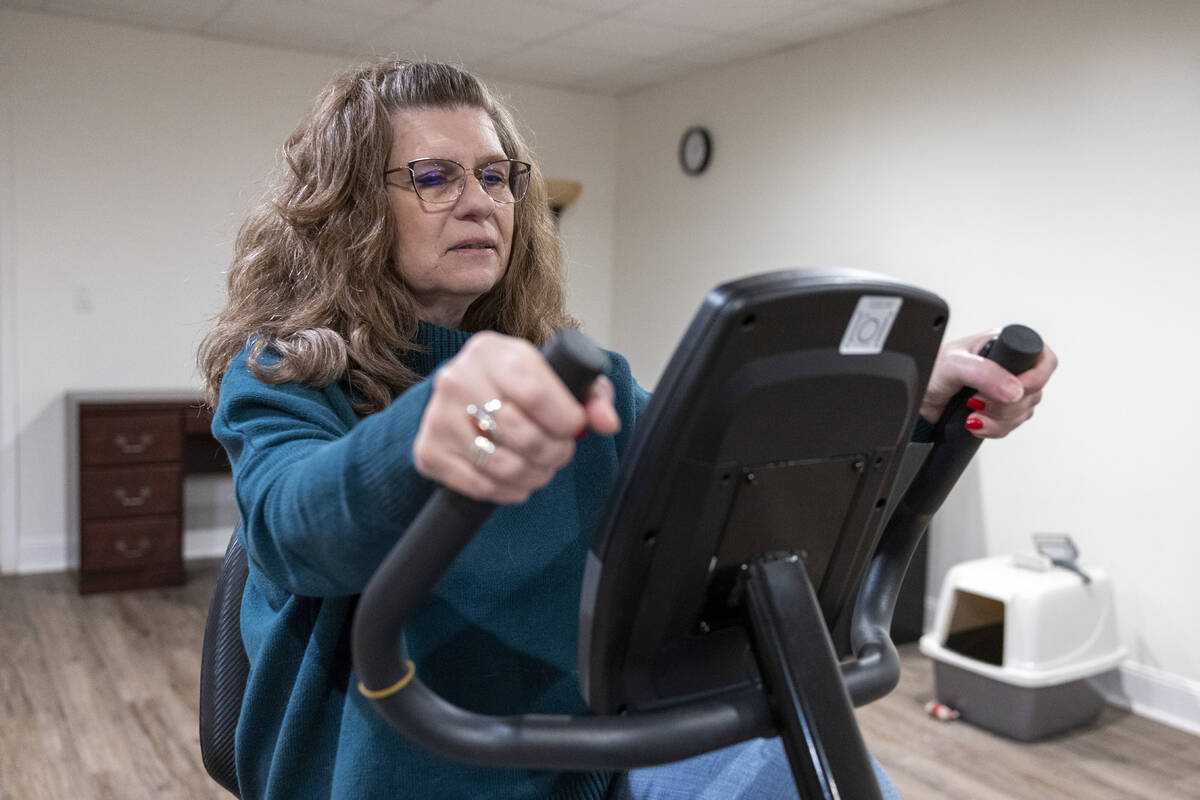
[[485, 421], [481, 450]]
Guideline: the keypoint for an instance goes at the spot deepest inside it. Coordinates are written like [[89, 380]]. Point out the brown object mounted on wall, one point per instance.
[[562, 194]]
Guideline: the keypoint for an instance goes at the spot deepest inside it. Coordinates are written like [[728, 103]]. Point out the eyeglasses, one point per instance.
[[440, 180]]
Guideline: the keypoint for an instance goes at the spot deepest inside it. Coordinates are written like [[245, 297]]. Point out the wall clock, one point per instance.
[[695, 150]]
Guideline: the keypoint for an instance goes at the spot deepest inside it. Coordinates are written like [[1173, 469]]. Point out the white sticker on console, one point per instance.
[[870, 325]]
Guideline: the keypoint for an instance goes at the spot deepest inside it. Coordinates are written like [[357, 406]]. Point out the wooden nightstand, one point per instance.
[[130, 454]]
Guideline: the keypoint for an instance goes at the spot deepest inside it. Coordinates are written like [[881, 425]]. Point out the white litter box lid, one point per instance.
[[1057, 628]]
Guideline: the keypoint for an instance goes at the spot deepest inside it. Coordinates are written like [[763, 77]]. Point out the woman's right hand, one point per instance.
[[537, 422]]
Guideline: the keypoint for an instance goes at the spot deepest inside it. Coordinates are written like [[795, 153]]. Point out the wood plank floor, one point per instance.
[[1120, 756], [98, 700]]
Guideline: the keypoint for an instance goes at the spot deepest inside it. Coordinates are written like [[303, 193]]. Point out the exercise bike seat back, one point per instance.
[[780, 427]]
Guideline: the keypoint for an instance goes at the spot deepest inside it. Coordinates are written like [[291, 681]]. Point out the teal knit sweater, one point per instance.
[[323, 495]]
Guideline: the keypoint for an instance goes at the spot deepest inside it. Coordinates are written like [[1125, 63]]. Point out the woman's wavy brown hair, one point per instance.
[[313, 277]]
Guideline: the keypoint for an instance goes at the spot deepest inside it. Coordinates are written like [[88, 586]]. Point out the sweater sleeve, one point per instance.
[[322, 495]]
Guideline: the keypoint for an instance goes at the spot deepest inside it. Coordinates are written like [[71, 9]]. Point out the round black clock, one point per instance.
[[695, 150]]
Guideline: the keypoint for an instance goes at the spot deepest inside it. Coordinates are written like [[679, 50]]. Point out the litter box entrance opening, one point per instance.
[[977, 627]]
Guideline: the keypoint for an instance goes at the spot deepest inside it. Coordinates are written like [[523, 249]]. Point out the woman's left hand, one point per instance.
[[1003, 401]]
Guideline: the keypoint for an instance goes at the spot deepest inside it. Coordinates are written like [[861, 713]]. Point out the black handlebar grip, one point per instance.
[[875, 670], [1017, 348], [576, 360]]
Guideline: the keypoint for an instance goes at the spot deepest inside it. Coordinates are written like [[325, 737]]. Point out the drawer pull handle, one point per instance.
[[143, 546], [130, 502], [133, 448]]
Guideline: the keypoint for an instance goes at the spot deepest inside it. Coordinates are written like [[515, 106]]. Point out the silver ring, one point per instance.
[[481, 450], [485, 423]]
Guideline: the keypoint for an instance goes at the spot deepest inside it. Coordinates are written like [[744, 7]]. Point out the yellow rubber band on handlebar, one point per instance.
[[379, 694]]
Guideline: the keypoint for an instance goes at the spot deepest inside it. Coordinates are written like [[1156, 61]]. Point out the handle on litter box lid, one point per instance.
[[875, 670]]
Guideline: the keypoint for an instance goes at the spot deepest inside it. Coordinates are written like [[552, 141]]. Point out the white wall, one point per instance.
[[127, 161], [1031, 162]]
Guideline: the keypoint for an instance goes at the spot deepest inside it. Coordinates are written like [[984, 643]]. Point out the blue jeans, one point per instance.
[[753, 770]]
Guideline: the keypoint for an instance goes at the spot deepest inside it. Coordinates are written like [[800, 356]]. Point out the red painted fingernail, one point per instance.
[[975, 404], [581, 434], [974, 423]]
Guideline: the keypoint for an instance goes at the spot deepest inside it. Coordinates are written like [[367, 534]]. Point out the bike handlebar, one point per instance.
[[446, 524]]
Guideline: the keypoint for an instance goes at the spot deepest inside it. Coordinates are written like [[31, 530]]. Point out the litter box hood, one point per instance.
[[1024, 627]]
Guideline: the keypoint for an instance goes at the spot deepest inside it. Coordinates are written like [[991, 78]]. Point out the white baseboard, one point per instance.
[[55, 554], [47, 554], [1153, 693], [206, 542]]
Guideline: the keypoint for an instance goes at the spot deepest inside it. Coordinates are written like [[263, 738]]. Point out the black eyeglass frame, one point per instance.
[[518, 168]]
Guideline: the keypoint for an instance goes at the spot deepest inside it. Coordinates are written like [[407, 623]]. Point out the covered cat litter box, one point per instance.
[[1016, 638]]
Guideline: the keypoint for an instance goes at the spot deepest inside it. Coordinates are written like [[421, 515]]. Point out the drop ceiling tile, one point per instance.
[[637, 75], [633, 39], [609, 46], [513, 20], [602, 8], [23, 4], [610, 85], [536, 62], [823, 21], [720, 16], [898, 7], [291, 24], [390, 9], [179, 15], [728, 49], [421, 41]]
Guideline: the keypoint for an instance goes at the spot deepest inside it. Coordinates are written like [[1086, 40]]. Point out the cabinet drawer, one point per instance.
[[130, 491], [197, 420], [131, 543], [132, 439]]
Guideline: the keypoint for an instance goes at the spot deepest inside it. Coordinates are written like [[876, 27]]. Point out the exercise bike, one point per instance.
[[743, 579]]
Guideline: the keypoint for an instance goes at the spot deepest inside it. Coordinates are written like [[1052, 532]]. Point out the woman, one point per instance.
[[346, 383]]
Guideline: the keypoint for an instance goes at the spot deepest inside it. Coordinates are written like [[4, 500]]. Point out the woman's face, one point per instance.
[[448, 253]]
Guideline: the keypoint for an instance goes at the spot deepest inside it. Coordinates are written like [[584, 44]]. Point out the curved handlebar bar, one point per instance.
[[875, 671], [404, 580], [448, 521]]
